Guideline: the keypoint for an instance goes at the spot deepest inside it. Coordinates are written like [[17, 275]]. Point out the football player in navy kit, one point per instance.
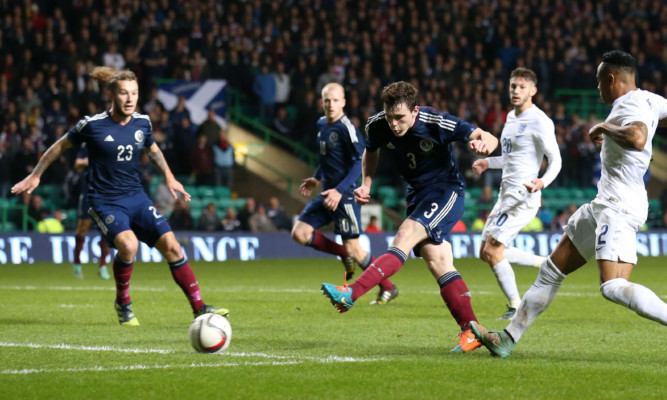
[[118, 204], [419, 140], [340, 147]]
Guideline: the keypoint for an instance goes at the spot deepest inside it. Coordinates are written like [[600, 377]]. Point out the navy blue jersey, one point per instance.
[[113, 153], [341, 146], [424, 155]]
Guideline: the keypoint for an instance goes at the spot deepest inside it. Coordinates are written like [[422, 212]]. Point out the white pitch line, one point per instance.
[[85, 348], [144, 367], [289, 359], [239, 289]]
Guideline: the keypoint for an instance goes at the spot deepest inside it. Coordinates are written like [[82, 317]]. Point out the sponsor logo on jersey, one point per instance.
[[139, 136], [522, 127], [426, 145], [390, 146], [108, 138], [109, 219]]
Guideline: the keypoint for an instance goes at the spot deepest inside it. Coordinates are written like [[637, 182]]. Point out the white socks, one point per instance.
[[516, 256], [537, 298], [636, 297], [507, 281]]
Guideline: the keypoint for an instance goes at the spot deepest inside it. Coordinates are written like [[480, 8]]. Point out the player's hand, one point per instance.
[[175, 186], [331, 199], [478, 147], [362, 195], [537, 184], [307, 186], [28, 184], [596, 133], [479, 166]]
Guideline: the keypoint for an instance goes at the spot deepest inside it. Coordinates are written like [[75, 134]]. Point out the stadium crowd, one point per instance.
[[279, 54]]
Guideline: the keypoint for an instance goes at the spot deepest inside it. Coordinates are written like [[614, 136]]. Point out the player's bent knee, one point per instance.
[[609, 289], [127, 248]]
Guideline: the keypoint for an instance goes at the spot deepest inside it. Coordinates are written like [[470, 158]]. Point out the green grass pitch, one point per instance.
[[59, 338]]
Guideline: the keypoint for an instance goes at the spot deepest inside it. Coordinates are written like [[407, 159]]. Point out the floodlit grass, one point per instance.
[[59, 338]]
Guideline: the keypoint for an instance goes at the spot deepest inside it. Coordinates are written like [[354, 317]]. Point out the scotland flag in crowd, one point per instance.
[[200, 97]]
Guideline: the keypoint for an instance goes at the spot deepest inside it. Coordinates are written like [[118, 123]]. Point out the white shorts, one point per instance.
[[604, 231], [507, 218]]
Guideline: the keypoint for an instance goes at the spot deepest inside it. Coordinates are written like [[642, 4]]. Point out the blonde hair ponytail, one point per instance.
[[109, 77]]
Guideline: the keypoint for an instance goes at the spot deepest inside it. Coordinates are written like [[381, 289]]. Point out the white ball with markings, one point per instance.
[[210, 333]]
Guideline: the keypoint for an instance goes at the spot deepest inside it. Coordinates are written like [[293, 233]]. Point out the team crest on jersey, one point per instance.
[[139, 136], [333, 138], [109, 219], [426, 145], [390, 146], [522, 127]]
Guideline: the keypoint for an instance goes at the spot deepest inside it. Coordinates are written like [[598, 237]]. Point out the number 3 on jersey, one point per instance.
[[125, 153]]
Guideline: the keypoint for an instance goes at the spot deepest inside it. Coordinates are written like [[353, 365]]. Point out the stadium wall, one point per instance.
[[209, 247]]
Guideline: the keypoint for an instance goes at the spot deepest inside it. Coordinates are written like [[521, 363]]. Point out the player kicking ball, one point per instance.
[[606, 228], [419, 140]]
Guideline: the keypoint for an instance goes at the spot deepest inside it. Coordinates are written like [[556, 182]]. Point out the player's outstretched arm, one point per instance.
[[30, 182], [632, 136], [482, 142], [174, 186]]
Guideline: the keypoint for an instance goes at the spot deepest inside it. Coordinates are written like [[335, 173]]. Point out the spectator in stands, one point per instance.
[[560, 220], [51, 222], [210, 127], [201, 162], [24, 160], [230, 223], [181, 219], [260, 222], [264, 87], [209, 219], [277, 214], [179, 112], [248, 210], [283, 85], [223, 153], [373, 226], [283, 124], [663, 207], [36, 210]]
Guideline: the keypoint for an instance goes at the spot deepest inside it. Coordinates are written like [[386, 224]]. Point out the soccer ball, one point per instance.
[[210, 333]]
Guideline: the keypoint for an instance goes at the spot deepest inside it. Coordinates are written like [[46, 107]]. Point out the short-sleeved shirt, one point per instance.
[[113, 153], [424, 155]]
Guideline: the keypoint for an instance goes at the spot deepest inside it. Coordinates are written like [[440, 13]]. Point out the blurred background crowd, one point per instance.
[[277, 55]]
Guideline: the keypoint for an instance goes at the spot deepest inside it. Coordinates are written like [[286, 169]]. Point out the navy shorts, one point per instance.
[[437, 208], [347, 216], [135, 212]]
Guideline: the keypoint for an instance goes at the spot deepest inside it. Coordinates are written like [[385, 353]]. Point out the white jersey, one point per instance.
[[622, 180], [525, 140]]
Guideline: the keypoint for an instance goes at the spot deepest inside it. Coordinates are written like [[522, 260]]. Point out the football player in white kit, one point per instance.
[[528, 136], [606, 227]]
